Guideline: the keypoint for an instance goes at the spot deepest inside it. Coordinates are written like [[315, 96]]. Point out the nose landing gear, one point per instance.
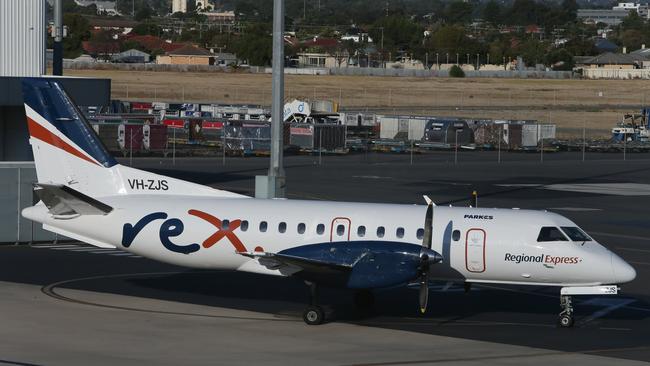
[[565, 319]]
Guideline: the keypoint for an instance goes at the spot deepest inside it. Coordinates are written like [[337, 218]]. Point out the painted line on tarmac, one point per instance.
[[634, 249], [610, 306], [622, 236], [50, 290]]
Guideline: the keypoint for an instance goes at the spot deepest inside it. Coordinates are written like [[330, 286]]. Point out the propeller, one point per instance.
[[427, 256]]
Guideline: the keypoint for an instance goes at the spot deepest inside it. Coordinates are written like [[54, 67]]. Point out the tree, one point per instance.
[[632, 22], [570, 8], [456, 72], [255, 45], [492, 12], [560, 60], [78, 31], [459, 12], [399, 33], [143, 13], [533, 52]]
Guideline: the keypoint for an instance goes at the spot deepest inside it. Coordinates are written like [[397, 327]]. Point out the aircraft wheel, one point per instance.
[[364, 300], [313, 315], [565, 321]]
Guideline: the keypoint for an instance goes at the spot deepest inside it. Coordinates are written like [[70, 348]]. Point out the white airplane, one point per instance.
[[86, 195]]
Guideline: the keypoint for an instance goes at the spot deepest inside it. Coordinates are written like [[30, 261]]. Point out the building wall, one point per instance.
[[22, 37], [179, 6], [183, 60]]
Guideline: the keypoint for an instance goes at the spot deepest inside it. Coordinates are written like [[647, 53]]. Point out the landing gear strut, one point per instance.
[[565, 319], [313, 314]]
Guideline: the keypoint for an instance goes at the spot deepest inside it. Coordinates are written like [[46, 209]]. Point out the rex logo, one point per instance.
[[174, 227]]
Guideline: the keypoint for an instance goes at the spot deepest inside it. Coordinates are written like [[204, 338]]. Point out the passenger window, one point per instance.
[[263, 226], [244, 225], [380, 232], [455, 235], [282, 227], [420, 233], [550, 233], [320, 229], [400, 232], [361, 231], [225, 224], [340, 230], [301, 228]]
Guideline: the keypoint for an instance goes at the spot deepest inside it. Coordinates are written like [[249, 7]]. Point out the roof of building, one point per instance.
[[644, 52], [605, 45], [609, 58], [190, 50], [321, 42], [152, 43], [225, 56], [94, 48], [133, 51]]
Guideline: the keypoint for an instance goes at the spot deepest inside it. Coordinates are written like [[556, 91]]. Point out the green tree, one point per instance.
[[255, 45], [492, 12], [399, 33], [560, 60], [533, 52], [78, 31], [570, 9], [456, 72], [632, 22], [459, 12]]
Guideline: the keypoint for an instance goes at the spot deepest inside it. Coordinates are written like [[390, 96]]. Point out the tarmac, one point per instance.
[[72, 304]]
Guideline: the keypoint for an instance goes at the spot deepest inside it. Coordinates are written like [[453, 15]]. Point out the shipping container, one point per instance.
[[532, 134], [416, 128], [388, 127], [329, 137], [155, 137], [448, 131], [131, 137], [108, 134]]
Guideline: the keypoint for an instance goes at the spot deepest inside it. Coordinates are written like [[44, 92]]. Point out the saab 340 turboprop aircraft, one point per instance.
[[86, 195]]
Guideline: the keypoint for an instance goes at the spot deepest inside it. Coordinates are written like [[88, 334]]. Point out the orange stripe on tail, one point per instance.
[[39, 132]]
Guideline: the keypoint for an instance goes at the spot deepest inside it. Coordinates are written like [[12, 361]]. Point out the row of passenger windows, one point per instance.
[[320, 229]]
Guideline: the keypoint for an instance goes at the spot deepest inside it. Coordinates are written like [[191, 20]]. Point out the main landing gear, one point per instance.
[[313, 314], [565, 319]]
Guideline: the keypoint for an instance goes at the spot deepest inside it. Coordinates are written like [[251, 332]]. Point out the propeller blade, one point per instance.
[[424, 293], [428, 227]]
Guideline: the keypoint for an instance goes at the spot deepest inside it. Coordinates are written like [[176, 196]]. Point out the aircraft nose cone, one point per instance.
[[623, 272]]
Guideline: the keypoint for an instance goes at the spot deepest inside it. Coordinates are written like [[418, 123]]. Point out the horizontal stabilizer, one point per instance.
[[64, 201]]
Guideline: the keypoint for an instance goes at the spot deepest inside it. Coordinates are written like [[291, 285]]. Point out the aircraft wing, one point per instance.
[[64, 201], [309, 269], [354, 264]]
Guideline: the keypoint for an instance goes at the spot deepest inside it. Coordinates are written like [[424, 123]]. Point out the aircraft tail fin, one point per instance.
[[68, 152]]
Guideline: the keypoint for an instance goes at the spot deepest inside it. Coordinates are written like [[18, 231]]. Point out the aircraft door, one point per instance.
[[475, 250], [340, 229]]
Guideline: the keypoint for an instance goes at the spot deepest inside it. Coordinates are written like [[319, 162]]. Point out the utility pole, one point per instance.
[[273, 185], [57, 62]]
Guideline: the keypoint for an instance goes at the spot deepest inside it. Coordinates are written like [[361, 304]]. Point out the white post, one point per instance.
[[174, 148]]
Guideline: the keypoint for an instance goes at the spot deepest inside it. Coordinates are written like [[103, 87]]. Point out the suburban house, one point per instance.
[[132, 56], [187, 55]]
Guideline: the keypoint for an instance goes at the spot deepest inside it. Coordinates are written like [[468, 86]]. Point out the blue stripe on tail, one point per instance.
[[47, 98]]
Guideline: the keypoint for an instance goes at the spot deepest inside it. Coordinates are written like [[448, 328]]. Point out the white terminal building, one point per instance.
[[614, 16]]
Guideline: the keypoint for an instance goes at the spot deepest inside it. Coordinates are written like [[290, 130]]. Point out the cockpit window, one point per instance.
[[575, 234], [551, 233]]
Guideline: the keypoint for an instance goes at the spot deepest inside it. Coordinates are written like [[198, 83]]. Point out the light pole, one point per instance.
[[477, 61], [456, 59], [276, 183], [437, 61], [447, 59], [468, 58]]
